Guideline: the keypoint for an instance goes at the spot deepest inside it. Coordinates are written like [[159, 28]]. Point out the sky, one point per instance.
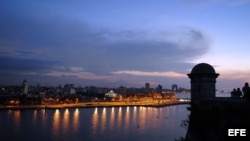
[[116, 43]]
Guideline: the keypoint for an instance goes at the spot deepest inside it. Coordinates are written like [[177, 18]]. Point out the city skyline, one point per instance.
[[124, 43], [25, 85]]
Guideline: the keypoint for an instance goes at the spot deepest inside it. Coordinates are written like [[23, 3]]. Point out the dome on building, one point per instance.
[[203, 68]]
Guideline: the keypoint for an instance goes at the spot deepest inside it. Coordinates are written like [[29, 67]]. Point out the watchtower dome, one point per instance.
[[203, 79]]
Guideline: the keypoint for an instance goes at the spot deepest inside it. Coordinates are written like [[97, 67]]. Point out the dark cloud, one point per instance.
[[106, 49], [20, 65], [41, 41], [150, 53]]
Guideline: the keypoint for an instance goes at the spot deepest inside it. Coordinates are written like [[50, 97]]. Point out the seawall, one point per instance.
[[91, 105]]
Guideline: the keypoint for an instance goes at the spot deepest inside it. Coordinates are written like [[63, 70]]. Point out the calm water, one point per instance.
[[94, 124]]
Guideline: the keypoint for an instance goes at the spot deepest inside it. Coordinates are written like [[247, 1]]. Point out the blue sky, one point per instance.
[[116, 42]]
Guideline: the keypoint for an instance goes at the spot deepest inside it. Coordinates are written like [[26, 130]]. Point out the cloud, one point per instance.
[[82, 75], [25, 65], [234, 74], [104, 50], [76, 69], [144, 50], [156, 74], [230, 78], [59, 45]]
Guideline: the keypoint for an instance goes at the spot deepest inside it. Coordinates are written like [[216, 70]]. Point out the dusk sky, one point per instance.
[[110, 43]]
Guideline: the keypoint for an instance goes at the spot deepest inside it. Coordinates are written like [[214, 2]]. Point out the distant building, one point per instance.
[[159, 89], [168, 95], [72, 91], [122, 90], [174, 87], [102, 90], [111, 94], [42, 94], [25, 87], [156, 95], [59, 89], [69, 89], [147, 86], [92, 90]]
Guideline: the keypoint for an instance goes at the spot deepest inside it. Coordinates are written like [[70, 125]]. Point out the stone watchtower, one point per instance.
[[203, 79]]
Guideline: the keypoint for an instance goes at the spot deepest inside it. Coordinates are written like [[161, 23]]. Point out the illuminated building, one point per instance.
[[111, 94]]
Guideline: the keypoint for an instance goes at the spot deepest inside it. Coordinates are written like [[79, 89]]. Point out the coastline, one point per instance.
[[88, 105]]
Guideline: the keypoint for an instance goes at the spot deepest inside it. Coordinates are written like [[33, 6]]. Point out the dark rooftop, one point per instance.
[[203, 68]]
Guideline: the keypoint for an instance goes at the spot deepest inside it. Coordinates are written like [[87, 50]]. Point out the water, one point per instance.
[[94, 124]]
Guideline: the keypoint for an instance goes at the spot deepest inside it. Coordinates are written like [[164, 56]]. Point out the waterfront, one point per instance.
[[93, 124]]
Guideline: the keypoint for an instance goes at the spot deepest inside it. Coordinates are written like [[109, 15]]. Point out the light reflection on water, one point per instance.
[[34, 115], [112, 118], [17, 117], [104, 123], [56, 122], [76, 120], [95, 120], [103, 120], [43, 112], [119, 118], [65, 120]]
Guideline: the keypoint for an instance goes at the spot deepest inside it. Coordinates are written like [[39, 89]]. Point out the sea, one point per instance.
[[134, 123]]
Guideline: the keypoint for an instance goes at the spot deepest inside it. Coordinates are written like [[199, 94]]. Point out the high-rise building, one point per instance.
[[25, 87], [159, 88], [174, 87], [147, 86]]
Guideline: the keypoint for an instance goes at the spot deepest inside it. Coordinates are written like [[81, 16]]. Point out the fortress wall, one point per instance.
[[210, 119]]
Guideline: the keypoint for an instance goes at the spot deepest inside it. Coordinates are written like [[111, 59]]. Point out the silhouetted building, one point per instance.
[[203, 79], [147, 86], [122, 90], [69, 89], [211, 117], [159, 89]]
